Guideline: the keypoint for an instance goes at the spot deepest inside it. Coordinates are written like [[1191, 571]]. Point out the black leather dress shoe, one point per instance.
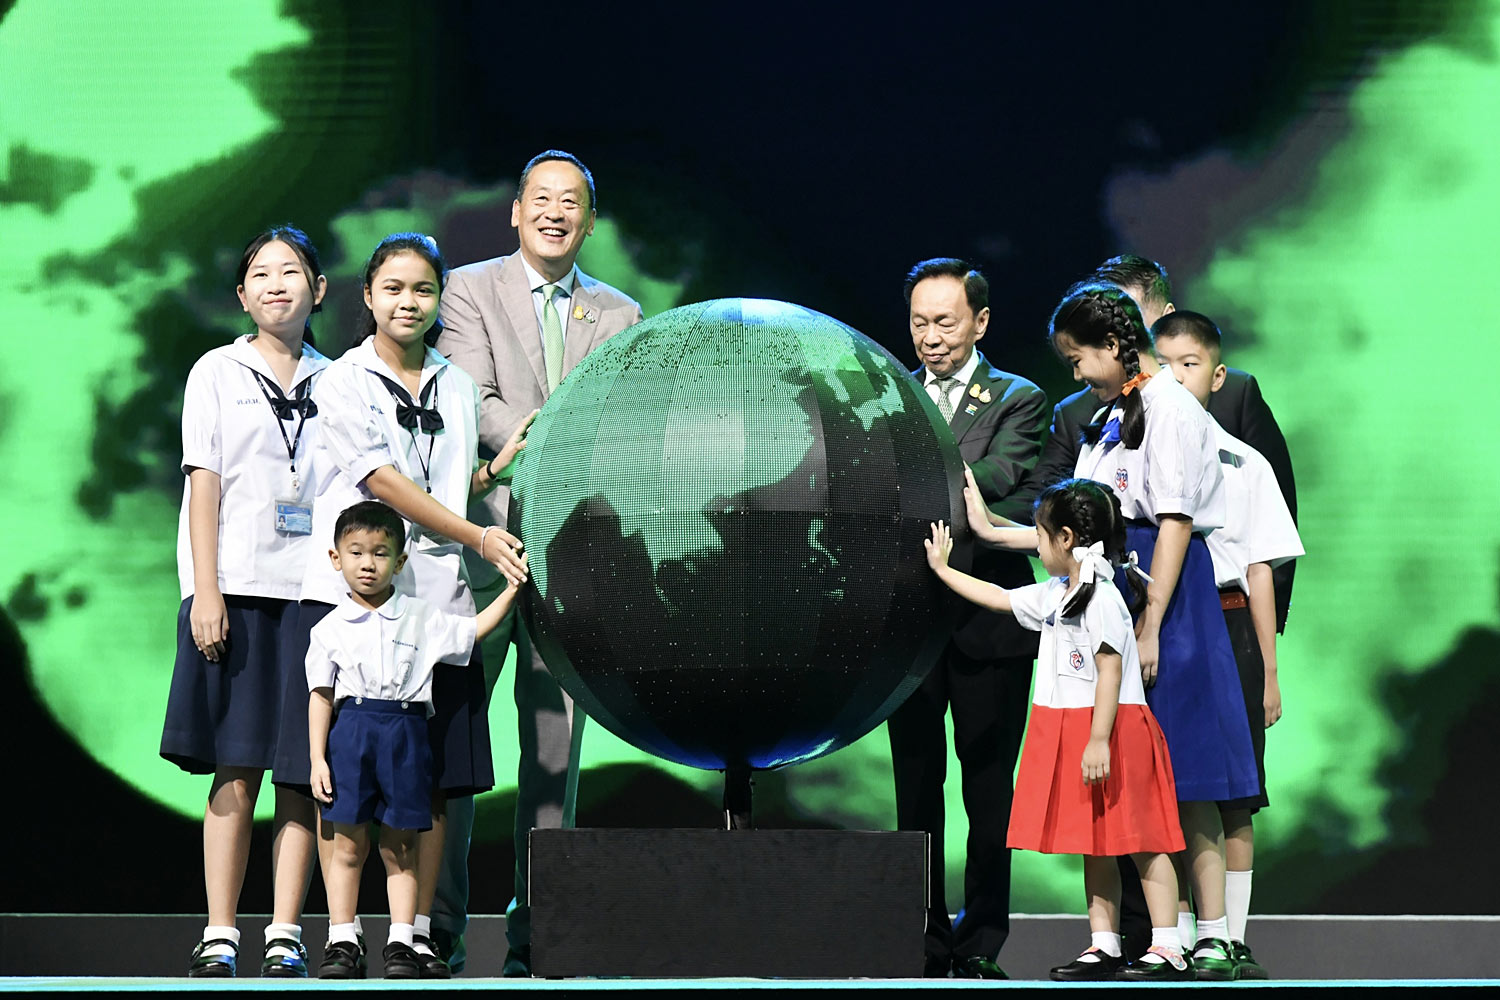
[[1176, 967], [202, 966], [1217, 965], [937, 967], [342, 960], [450, 948], [401, 961], [1245, 965], [517, 963], [291, 966], [976, 967], [433, 966], [1092, 966]]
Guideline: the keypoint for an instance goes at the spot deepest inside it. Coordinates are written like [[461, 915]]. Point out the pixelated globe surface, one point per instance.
[[725, 507]]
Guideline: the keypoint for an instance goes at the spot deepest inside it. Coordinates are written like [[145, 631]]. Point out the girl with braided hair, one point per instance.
[[1156, 449], [1095, 777]]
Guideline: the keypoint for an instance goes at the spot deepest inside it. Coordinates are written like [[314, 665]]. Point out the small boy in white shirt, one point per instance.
[[369, 669], [1258, 535]]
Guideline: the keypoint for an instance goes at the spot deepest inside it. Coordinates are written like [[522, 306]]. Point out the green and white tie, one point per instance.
[[944, 401]]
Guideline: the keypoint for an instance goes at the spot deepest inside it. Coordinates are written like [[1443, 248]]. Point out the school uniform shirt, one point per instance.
[[359, 434], [230, 428], [386, 652], [1176, 468], [1065, 672], [1258, 527]]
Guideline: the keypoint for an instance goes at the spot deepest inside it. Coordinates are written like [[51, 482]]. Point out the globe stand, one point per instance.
[[737, 798]]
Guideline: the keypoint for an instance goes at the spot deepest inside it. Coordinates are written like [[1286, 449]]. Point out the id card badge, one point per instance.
[[293, 518]]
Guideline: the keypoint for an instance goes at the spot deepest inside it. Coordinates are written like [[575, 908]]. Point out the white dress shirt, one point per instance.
[[360, 434], [229, 428], [955, 393], [386, 653], [562, 299], [1258, 527]]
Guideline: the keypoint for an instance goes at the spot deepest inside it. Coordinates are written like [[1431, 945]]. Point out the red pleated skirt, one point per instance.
[[1133, 811]]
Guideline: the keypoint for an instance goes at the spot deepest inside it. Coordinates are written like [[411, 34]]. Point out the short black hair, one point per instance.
[[566, 157], [1130, 270], [371, 515], [1186, 323], [976, 288]]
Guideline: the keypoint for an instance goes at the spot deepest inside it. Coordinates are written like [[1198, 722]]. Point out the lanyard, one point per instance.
[[411, 414], [281, 404]]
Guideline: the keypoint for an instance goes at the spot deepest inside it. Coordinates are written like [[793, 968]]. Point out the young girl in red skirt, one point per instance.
[[1095, 778]]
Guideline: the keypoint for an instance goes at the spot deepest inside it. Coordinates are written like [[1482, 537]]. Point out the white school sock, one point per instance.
[[275, 931], [1106, 941], [212, 932], [1208, 929], [359, 928], [421, 934], [1186, 927], [1237, 903], [1164, 938], [400, 934], [347, 933]]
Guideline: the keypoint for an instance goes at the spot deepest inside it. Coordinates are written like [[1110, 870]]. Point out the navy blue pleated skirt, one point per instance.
[[1196, 698], [228, 714], [293, 765]]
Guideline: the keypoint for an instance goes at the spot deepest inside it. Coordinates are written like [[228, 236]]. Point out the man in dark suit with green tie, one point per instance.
[[984, 675]]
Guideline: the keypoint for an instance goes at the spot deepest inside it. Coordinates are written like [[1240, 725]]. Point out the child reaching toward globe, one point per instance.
[[1095, 778]]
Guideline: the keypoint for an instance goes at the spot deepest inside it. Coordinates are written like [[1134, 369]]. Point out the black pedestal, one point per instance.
[[702, 903]]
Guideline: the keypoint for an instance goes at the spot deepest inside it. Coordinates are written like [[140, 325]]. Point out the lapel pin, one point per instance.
[[578, 312], [974, 390], [971, 409], [984, 397]]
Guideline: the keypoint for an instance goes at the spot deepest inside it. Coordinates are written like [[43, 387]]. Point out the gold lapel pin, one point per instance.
[[984, 397]]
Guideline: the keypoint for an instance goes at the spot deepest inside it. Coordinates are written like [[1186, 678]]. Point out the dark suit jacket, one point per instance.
[[999, 440], [1239, 408]]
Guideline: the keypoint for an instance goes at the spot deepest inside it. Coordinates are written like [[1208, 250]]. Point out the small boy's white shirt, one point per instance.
[[387, 652], [229, 429], [1258, 526]]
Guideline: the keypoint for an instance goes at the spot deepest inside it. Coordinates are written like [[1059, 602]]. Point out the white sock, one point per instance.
[[229, 933], [1106, 941], [1186, 927], [344, 932], [400, 934], [1237, 903], [359, 928], [1213, 928], [274, 931], [1164, 938], [422, 928]]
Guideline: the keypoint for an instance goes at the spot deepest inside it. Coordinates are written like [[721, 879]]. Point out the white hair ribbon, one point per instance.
[[1092, 563], [1133, 564]]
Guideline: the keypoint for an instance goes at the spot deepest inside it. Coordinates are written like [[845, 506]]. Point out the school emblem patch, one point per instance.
[[1122, 480], [1075, 660]]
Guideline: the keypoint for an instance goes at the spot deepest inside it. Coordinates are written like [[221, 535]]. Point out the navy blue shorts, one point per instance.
[[228, 714], [1252, 666], [381, 764]]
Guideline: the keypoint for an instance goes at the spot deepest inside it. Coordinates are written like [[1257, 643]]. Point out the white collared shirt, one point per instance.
[[229, 428], [562, 299], [1065, 671], [1258, 527], [965, 374], [360, 434], [386, 653], [1176, 468]]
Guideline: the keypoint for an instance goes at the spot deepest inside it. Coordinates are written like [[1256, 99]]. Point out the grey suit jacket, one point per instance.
[[490, 330]]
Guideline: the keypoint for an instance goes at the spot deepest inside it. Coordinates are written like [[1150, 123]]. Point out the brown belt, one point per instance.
[[1232, 599]]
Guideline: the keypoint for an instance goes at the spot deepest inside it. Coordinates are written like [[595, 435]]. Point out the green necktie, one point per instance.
[[944, 403], [552, 338]]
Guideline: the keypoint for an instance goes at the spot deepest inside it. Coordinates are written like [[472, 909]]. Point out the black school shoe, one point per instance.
[[976, 967], [433, 966], [517, 963], [1098, 966], [1245, 965], [401, 961], [1217, 968], [293, 966], [342, 960], [1177, 967], [202, 966]]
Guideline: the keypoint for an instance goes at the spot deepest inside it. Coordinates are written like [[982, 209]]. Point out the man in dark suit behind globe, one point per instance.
[[984, 674]]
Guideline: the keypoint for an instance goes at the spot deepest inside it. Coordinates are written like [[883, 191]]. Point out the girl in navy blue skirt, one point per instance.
[[244, 538]]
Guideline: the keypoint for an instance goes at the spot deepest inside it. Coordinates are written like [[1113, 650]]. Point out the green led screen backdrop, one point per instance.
[[1321, 178]]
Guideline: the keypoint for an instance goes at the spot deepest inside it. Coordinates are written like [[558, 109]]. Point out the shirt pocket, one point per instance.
[[1075, 657]]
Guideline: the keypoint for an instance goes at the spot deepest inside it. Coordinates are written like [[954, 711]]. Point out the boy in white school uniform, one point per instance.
[[369, 668], [1258, 535]]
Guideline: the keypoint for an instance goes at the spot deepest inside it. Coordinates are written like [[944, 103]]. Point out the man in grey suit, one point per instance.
[[517, 325]]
